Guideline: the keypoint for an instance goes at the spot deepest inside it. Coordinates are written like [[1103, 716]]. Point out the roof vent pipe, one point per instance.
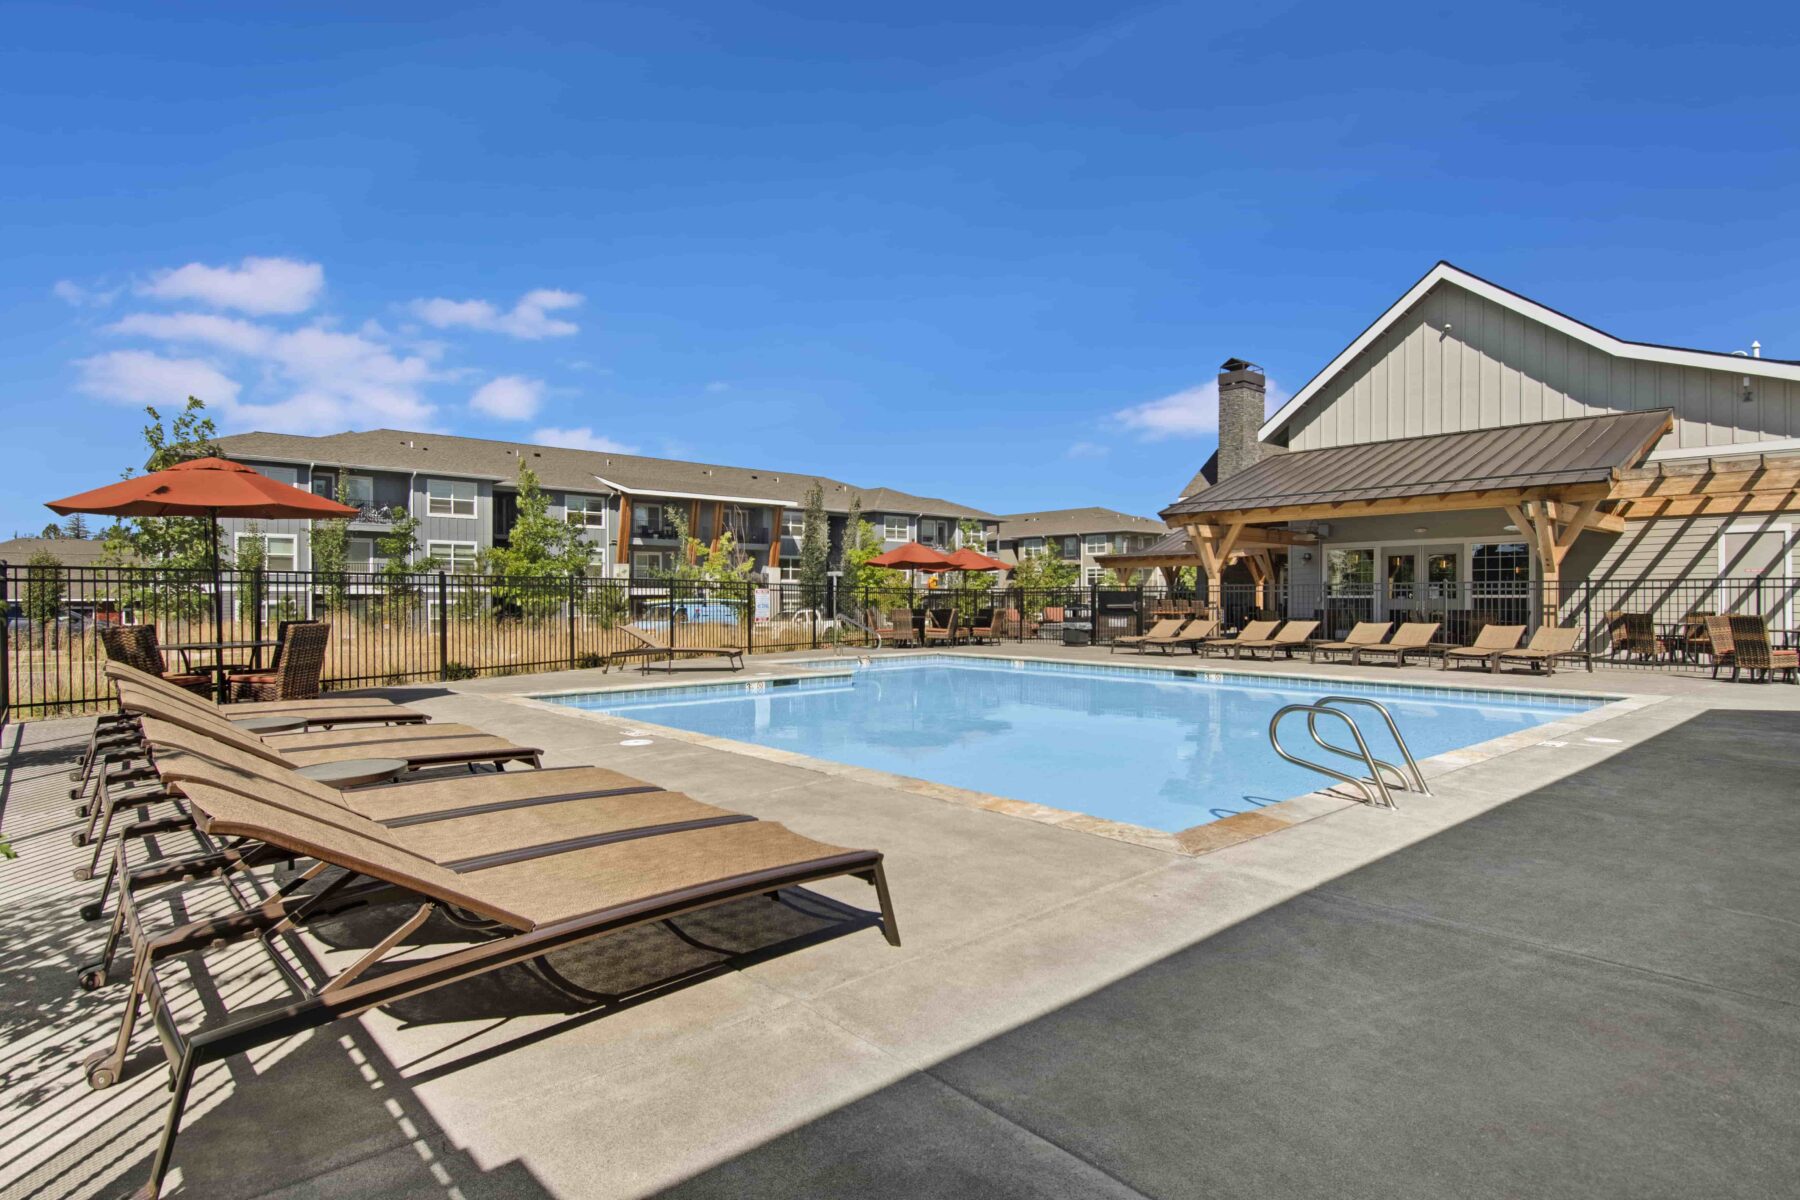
[[1755, 349]]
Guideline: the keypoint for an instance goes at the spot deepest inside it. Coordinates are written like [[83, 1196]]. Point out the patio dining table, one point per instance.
[[220, 666]]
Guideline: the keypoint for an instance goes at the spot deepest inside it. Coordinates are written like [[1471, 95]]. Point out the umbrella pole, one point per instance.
[[218, 609]]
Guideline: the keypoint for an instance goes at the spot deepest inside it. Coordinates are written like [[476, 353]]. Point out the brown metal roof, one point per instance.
[[1541, 454], [1175, 548]]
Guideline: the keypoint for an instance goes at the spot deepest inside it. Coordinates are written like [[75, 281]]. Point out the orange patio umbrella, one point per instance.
[[914, 557], [204, 487], [971, 559]]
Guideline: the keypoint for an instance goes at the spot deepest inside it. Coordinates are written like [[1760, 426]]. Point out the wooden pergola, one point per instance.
[[1183, 548]]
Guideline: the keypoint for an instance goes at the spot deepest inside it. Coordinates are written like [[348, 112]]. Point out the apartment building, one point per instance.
[[1081, 534], [464, 493]]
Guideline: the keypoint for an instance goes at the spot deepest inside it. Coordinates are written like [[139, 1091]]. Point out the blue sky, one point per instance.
[[963, 250]]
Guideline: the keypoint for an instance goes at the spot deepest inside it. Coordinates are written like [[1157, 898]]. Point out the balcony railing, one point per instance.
[[654, 533], [376, 515]]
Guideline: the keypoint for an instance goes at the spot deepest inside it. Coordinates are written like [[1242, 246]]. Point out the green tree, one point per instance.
[[42, 603], [815, 547], [866, 586], [51, 532], [76, 527], [973, 589], [1046, 571], [180, 545], [721, 562], [252, 553], [331, 551], [398, 547], [541, 549]]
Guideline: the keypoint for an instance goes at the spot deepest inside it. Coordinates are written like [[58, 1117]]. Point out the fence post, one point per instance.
[[749, 616], [256, 614], [443, 625], [571, 620], [1587, 618], [5, 644]]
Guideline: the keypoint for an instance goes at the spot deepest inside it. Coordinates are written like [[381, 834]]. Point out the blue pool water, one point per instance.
[[1128, 745]]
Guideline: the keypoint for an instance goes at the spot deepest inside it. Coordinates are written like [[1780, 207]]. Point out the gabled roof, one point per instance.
[[1205, 477], [1070, 522], [560, 468], [1716, 360], [1541, 454], [71, 552]]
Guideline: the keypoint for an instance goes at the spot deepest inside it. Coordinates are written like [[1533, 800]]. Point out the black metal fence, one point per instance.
[[399, 628]]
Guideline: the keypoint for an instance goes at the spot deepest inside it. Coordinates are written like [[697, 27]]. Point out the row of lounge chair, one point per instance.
[[528, 861], [1495, 646]]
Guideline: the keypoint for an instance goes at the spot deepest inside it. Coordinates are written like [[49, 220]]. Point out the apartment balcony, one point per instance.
[[655, 533], [373, 516]]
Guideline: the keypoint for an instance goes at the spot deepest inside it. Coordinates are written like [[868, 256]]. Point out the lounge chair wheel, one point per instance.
[[81, 810], [78, 838], [100, 1076], [89, 912], [92, 979], [82, 874], [462, 918]]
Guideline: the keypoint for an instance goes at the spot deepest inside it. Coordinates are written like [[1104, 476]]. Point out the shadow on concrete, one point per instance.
[[1590, 991]]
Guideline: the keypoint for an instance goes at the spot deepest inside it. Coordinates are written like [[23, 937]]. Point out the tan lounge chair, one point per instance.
[[1193, 635], [1547, 645], [1164, 629], [981, 627], [652, 644], [535, 898], [1253, 631], [1413, 637], [940, 625], [1289, 638], [1490, 644], [1366, 633]]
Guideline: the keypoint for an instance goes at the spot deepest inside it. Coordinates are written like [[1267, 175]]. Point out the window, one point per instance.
[[793, 523], [790, 574], [1096, 543], [359, 490], [458, 557], [647, 562], [1093, 575], [359, 555], [287, 475], [1499, 567], [450, 498], [1031, 548], [894, 528], [586, 511], [1071, 547], [280, 550], [1350, 571]]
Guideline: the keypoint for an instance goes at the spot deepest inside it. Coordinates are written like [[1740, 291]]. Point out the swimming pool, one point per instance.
[[1160, 749]]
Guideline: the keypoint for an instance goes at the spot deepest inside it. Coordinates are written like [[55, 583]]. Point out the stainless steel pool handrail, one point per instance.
[[847, 619], [1418, 776], [1370, 787]]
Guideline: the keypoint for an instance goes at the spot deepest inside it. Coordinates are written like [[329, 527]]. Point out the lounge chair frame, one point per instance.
[[348, 993], [652, 648]]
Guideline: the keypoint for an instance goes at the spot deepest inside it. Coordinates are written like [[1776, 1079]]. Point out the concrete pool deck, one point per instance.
[[1572, 972]]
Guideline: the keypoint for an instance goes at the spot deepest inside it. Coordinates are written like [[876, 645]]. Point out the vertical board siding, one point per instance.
[[1493, 367]]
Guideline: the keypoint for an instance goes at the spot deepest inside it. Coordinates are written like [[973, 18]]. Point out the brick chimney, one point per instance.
[[1241, 393]]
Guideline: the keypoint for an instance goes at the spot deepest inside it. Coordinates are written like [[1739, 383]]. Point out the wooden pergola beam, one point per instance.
[[1739, 504], [1445, 502]]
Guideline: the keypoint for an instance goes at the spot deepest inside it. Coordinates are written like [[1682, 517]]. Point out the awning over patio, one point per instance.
[[1569, 460], [1551, 478]]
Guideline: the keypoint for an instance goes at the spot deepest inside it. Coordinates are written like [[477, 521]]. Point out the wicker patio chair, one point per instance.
[[296, 669], [135, 646], [1743, 643], [1632, 633], [901, 630]]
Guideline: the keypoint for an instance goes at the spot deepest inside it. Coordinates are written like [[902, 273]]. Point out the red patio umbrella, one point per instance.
[[204, 487], [914, 557], [971, 559]]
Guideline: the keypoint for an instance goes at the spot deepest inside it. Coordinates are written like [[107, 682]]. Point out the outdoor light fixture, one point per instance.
[[1420, 529], [1510, 528]]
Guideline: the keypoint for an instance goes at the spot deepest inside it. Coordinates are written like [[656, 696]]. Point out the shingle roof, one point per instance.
[[1541, 454], [563, 469], [1176, 546], [71, 552], [1067, 522]]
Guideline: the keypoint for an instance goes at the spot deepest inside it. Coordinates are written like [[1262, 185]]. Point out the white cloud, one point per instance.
[[581, 439], [1187, 413], [260, 286], [334, 380], [529, 319], [509, 398], [139, 377], [717, 386], [70, 292], [1087, 450]]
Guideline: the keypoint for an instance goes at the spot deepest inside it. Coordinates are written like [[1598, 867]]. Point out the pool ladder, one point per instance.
[[1374, 786]]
